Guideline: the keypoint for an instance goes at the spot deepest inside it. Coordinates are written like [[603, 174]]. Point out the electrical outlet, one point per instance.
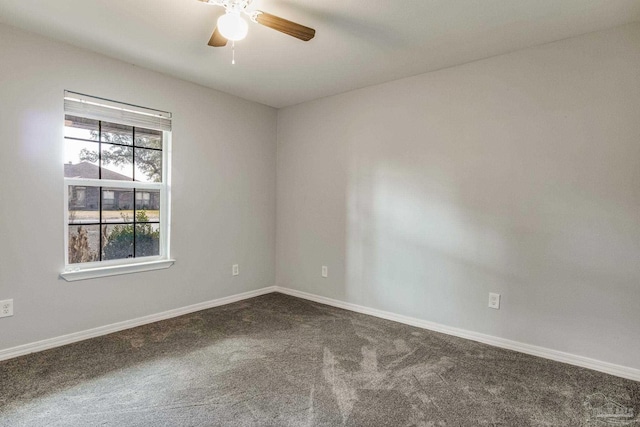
[[235, 270], [325, 271], [6, 308], [494, 300]]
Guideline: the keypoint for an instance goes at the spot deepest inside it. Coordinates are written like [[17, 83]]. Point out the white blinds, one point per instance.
[[102, 109]]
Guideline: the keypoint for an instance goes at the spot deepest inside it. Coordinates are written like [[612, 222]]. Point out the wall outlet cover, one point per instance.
[[6, 308], [494, 300], [235, 270], [325, 271]]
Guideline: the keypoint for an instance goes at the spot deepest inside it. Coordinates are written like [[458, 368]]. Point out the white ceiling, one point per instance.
[[358, 42]]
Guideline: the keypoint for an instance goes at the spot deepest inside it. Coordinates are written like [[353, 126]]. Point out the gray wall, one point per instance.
[[518, 174], [224, 156]]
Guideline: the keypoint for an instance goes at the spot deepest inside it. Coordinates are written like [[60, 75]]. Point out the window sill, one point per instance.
[[114, 270]]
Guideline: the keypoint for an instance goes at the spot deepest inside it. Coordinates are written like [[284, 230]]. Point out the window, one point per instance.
[[116, 187], [76, 197]]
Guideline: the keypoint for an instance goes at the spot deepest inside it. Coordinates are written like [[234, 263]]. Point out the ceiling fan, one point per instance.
[[231, 25]]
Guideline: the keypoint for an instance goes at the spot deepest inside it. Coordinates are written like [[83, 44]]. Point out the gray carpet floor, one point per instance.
[[276, 360]]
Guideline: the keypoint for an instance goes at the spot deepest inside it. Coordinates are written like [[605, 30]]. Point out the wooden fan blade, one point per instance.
[[216, 39], [284, 26]]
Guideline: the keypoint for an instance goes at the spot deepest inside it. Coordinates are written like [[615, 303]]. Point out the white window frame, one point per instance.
[[89, 270]]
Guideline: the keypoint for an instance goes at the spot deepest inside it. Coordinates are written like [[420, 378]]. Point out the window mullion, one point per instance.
[[133, 154], [100, 242], [135, 201], [100, 149]]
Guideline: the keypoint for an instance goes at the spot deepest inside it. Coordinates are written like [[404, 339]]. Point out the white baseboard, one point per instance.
[[558, 356], [127, 324]]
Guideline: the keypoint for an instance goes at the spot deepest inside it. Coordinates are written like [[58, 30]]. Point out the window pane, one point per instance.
[[118, 242], [81, 159], [117, 205], [147, 205], [77, 196], [148, 165], [117, 162], [148, 138], [83, 204], [147, 240], [79, 127], [84, 241], [117, 134]]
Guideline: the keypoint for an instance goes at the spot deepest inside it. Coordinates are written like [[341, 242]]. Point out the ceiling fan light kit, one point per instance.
[[231, 25]]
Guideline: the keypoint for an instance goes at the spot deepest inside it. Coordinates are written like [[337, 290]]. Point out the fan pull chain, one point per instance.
[[233, 53]]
